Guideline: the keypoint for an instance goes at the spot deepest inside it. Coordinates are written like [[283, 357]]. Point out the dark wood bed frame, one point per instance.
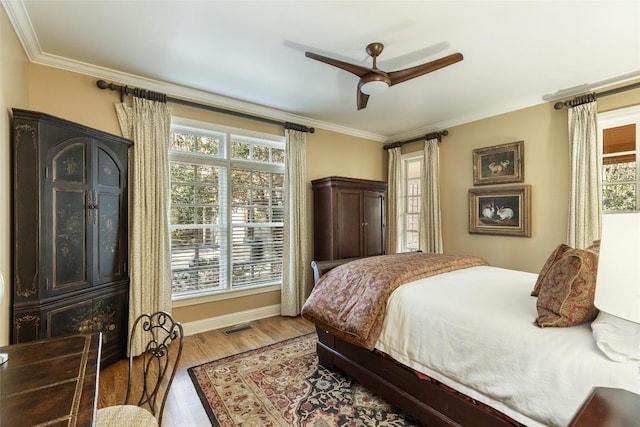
[[429, 403]]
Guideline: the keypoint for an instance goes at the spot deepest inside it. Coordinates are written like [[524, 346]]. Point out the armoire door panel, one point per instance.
[[109, 247], [349, 224], [374, 223], [65, 233], [101, 313], [70, 240], [111, 317], [69, 163], [108, 171], [68, 317]]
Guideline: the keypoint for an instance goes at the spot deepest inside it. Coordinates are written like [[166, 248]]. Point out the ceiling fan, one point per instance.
[[373, 80]]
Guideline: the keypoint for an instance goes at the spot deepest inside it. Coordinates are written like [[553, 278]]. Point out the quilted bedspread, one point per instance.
[[350, 301]]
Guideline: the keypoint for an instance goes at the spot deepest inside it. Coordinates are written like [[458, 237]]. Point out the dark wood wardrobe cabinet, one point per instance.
[[349, 217], [70, 232]]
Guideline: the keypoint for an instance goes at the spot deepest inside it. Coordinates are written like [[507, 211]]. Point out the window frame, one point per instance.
[[616, 118], [225, 161], [406, 159]]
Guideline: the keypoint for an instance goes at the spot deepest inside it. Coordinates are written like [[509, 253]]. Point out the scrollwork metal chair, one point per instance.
[[149, 375]]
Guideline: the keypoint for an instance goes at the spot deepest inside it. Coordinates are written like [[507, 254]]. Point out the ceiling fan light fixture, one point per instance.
[[374, 87], [373, 80]]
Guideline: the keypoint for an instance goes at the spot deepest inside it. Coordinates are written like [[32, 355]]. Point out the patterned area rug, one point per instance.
[[282, 385]]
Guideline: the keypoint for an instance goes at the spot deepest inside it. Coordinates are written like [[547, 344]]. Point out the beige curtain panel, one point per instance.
[[430, 219], [585, 195], [148, 124], [394, 200], [296, 263]]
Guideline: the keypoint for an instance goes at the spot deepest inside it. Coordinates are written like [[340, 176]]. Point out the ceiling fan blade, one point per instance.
[[362, 99], [358, 70], [419, 70]]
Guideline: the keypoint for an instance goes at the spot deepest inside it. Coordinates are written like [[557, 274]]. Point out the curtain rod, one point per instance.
[[583, 99], [156, 96], [433, 135]]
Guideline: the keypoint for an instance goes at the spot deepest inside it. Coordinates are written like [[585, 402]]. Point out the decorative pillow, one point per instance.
[[568, 290], [555, 255], [595, 247]]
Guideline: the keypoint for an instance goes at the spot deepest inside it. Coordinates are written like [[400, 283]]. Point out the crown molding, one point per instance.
[[19, 18]]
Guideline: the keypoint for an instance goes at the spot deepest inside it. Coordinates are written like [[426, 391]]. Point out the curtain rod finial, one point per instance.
[[558, 105], [102, 84]]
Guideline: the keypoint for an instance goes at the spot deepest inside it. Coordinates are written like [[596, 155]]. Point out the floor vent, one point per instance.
[[237, 329]]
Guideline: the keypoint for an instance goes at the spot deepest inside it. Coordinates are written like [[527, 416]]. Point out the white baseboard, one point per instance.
[[191, 328]]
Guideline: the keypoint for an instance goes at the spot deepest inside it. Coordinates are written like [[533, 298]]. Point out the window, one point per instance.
[[619, 135], [227, 208], [410, 219]]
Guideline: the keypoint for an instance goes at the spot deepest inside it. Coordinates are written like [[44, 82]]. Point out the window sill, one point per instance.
[[188, 300]]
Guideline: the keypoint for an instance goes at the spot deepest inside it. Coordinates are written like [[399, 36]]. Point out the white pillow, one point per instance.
[[618, 338]]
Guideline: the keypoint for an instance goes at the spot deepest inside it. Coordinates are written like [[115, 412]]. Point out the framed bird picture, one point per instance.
[[499, 164]]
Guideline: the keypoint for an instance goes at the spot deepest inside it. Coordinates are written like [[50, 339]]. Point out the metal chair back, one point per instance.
[[151, 373]]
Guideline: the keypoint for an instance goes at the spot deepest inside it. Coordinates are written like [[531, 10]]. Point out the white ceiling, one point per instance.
[[249, 55]]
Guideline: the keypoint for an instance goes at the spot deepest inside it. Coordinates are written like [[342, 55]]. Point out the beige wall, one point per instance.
[[546, 159], [72, 96], [14, 92], [546, 169]]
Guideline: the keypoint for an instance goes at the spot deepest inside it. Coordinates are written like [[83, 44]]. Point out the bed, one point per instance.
[[457, 345]]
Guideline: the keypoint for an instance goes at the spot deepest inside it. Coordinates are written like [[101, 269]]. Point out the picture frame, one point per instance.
[[499, 164], [504, 211]]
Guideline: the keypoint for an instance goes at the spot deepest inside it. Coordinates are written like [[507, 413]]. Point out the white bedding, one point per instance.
[[473, 330]]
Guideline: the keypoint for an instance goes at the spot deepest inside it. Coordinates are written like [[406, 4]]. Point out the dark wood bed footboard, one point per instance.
[[428, 402], [321, 267]]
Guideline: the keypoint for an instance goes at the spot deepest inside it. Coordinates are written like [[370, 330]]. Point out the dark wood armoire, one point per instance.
[[70, 232], [349, 218]]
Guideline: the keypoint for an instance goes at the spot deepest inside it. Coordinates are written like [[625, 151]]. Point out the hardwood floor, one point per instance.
[[183, 405]]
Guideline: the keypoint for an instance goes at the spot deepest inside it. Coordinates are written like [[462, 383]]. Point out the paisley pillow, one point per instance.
[[555, 256], [568, 289]]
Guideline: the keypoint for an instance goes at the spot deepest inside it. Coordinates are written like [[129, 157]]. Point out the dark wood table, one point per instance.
[[608, 407], [52, 381]]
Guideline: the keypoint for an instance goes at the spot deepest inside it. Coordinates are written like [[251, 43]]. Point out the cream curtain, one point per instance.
[[394, 200], [148, 124], [430, 221], [296, 267], [585, 195]]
